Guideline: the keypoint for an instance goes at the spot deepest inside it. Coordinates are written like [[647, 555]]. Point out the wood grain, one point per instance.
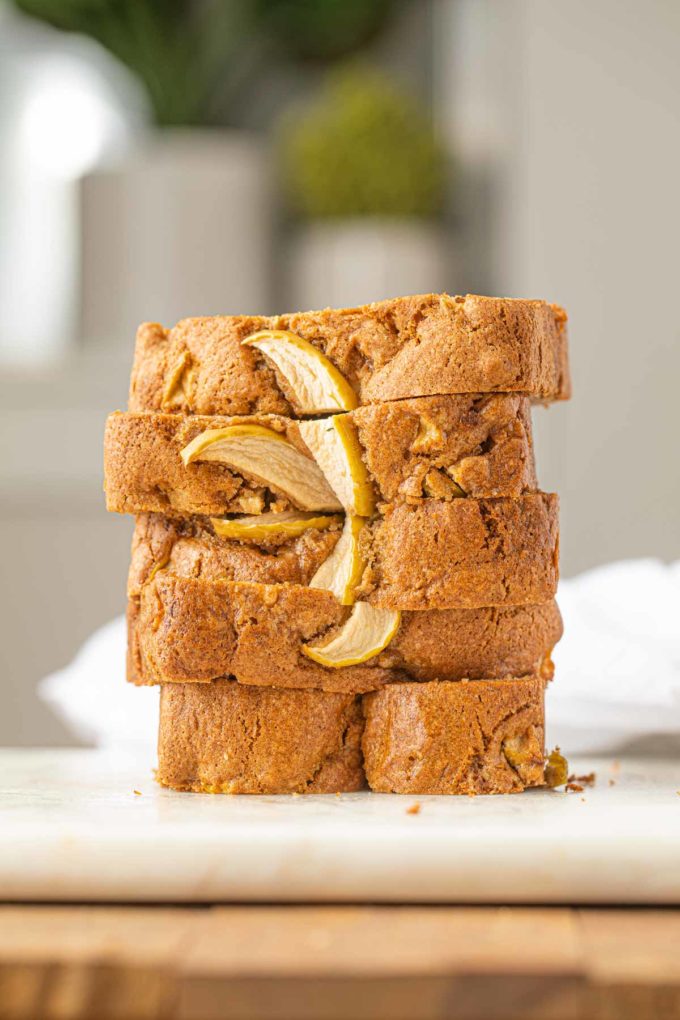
[[338, 963]]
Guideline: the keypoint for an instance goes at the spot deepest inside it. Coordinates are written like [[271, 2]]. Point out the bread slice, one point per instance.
[[225, 738], [478, 737], [189, 630], [144, 470], [481, 736], [189, 548], [404, 347], [466, 554], [427, 447]]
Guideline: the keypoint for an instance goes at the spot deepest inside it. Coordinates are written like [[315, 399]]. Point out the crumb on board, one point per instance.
[[612, 782], [137, 793], [414, 809], [574, 787], [587, 780]]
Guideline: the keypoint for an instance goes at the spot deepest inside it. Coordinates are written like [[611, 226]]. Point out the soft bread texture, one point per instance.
[[482, 736], [422, 345], [466, 554], [190, 548], [225, 738], [189, 630], [484, 442], [413, 450], [144, 471], [478, 737]]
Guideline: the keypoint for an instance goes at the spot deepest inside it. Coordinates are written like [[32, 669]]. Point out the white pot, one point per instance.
[[363, 260], [182, 227]]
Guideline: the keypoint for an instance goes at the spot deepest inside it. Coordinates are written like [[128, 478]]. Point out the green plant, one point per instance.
[[192, 55], [321, 30], [181, 51], [363, 149]]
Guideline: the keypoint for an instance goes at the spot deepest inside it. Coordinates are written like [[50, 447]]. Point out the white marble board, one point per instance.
[[71, 828]]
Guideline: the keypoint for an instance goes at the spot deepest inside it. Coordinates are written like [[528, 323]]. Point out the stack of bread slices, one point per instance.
[[343, 571]]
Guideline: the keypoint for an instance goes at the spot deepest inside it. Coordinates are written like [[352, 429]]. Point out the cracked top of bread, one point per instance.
[[423, 345]]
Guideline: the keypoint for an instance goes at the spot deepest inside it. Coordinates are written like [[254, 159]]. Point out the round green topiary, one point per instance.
[[363, 149]]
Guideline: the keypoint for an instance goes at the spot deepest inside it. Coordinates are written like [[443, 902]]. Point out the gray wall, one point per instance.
[[570, 114], [63, 558]]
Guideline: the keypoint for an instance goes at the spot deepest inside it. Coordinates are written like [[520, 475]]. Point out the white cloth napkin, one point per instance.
[[617, 668], [617, 679], [91, 696]]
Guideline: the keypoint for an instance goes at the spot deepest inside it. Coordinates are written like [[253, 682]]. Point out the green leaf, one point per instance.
[[179, 49]]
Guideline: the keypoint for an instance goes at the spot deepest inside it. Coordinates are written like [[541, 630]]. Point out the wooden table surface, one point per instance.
[[338, 963]]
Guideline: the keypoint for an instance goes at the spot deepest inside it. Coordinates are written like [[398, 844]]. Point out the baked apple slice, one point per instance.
[[335, 447], [317, 385], [269, 458], [341, 572], [366, 631], [259, 527]]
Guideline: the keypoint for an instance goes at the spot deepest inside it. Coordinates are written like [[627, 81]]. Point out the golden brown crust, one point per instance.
[[427, 447], [445, 738], [464, 554], [144, 472], [444, 385], [404, 347], [187, 630], [414, 448], [225, 738], [190, 548], [472, 737]]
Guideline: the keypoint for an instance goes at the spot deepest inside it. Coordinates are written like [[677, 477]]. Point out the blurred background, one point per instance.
[[165, 158]]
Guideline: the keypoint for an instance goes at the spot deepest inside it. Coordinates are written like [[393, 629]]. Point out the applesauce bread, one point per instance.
[[189, 547], [191, 630], [422, 345], [442, 447], [225, 738], [465, 554], [477, 737], [144, 470]]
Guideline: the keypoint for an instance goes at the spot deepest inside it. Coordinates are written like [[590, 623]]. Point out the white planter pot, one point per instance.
[[182, 227], [363, 260]]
